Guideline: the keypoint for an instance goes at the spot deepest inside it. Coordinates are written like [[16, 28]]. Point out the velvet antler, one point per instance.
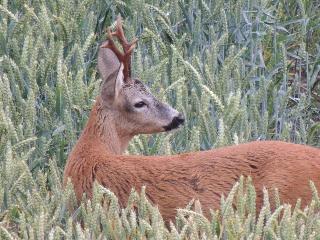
[[125, 56]]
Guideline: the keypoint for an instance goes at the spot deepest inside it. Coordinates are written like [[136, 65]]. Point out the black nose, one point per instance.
[[179, 119], [176, 122]]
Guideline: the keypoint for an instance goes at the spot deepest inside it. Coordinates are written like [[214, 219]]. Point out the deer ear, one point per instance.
[[107, 61], [111, 86], [119, 81]]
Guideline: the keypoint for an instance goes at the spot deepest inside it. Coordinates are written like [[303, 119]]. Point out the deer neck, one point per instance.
[[103, 126]]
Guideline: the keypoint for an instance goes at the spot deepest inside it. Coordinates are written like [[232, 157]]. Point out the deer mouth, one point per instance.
[[175, 123]]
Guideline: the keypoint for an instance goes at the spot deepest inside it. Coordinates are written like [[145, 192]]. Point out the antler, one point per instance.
[[127, 47]]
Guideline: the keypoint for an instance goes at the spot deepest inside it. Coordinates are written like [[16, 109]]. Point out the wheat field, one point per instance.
[[240, 70]]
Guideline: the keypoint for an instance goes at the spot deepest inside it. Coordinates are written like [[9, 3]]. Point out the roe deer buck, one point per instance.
[[125, 107]]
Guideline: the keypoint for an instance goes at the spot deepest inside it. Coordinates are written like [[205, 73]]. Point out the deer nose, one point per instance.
[[175, 123], [179, 119]]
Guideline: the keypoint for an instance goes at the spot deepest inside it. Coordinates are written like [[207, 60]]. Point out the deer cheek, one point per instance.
[[128, 108]]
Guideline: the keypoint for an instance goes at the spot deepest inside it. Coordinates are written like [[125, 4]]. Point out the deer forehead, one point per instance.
[[137, 88]]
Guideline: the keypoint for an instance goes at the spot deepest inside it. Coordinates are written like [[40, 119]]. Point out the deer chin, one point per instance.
[[166, 129], [172, 126]]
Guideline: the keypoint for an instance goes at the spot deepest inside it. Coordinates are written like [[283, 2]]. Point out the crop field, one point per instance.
[[239, 70]]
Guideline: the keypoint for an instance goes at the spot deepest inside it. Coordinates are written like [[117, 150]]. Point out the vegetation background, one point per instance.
[[240, 70]]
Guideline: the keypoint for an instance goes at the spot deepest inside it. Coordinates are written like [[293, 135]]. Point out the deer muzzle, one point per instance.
[[175, 123]]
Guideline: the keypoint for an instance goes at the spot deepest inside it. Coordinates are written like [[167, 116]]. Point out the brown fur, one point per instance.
[[172, 181]]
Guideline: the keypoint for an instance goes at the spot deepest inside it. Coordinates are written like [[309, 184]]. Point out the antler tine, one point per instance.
[[111, 45], [124, 57], [122, 38], [120, 33]]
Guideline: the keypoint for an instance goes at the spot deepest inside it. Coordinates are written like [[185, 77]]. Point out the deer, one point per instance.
[[125, 108]]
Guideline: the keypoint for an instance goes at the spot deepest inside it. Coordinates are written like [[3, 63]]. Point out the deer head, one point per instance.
[[127, 98]]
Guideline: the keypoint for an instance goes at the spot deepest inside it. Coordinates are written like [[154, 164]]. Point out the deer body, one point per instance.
[[126, 108], [172, 181]]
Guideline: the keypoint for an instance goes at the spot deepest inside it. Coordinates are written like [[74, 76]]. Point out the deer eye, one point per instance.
[[140, 104]]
